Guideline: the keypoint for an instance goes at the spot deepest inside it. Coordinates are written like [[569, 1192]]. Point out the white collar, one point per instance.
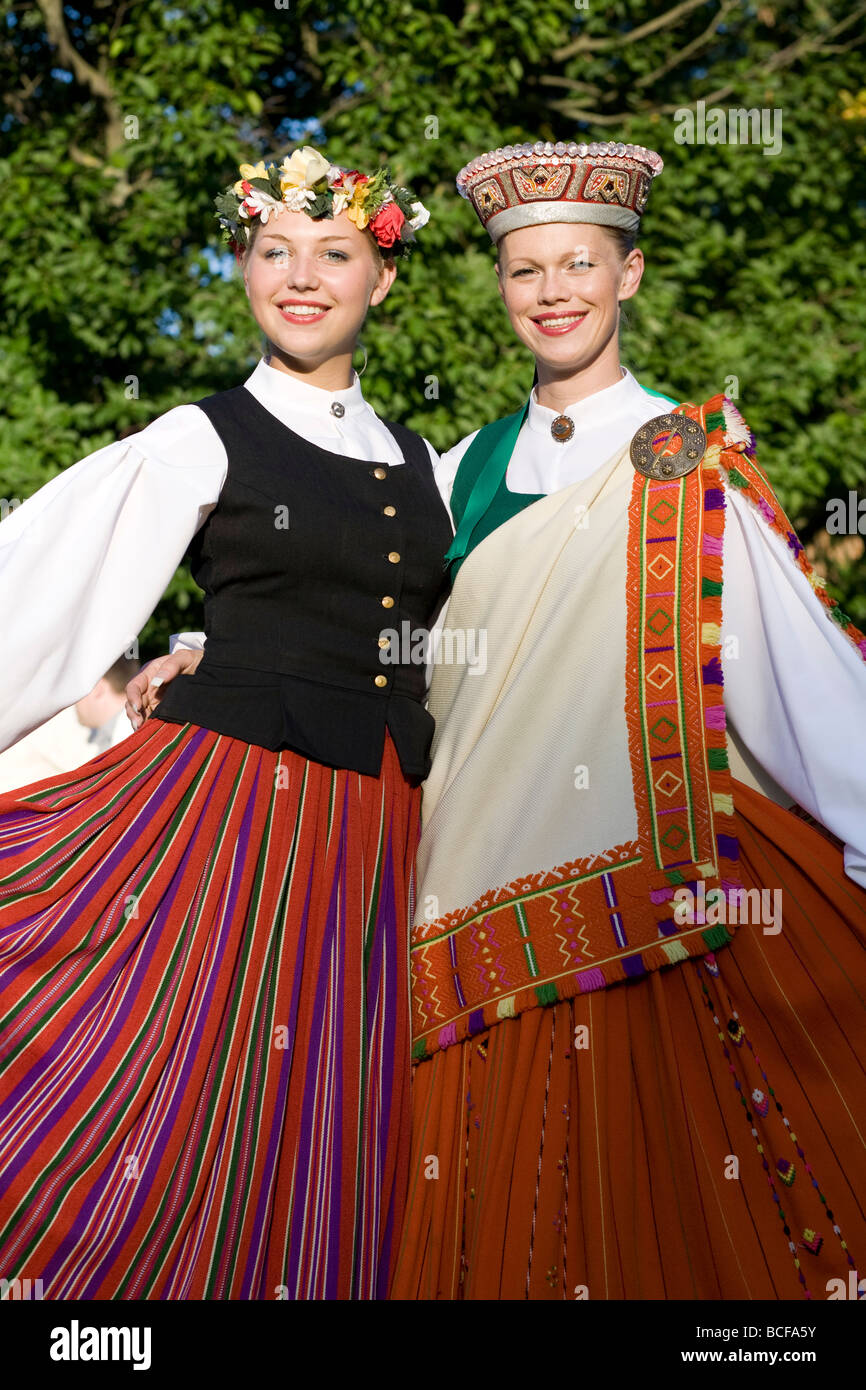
[[602, 406], [284, 395]]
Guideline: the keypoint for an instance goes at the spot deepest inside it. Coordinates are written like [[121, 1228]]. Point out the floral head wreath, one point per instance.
[[306, 182]]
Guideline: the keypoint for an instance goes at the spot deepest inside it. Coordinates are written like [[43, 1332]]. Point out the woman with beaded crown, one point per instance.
[[204, 1016], [633, 965]]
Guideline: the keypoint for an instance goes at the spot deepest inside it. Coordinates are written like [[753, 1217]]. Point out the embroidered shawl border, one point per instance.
[[591, 923]]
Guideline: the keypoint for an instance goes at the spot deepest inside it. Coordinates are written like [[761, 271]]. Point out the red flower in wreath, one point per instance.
[[348, 178], [387, 225]]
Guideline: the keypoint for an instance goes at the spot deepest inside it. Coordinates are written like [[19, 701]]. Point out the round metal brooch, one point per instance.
[[668, 446], [562, 428]]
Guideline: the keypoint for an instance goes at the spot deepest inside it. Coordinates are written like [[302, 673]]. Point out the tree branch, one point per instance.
[[17, 101], [549, 80], [845, 47], [337, 107], [117, 20], [783, 58], [90, 77], [88, 161], [692, 48], [576, 113], [98, 85], [310, 45], [587, 44]]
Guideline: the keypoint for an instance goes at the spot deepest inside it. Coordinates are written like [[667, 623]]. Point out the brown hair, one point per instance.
[[120, 673]]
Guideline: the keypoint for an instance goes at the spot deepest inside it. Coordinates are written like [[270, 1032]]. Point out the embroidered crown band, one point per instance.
[[527, 185]]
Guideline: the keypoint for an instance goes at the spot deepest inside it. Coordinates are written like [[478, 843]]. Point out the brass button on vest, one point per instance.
[[394, 557], [294, 650], [380, 681], [384, 642], [390, 511]]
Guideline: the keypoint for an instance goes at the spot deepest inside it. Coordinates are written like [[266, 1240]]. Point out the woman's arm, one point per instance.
[[84, 561]]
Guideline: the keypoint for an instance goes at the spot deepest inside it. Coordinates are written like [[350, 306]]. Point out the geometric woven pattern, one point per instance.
[[594, 922]]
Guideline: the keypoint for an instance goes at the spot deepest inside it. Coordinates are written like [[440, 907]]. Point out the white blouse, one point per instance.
[[86, 559]]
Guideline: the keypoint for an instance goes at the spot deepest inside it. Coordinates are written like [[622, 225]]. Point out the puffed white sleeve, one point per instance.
[[85, 560], [445, 468], [186, 642], [443, 478], [795, 684], [445, 471]]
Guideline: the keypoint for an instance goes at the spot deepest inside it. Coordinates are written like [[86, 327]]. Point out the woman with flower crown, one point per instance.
[[204, 1005], [638, 977]]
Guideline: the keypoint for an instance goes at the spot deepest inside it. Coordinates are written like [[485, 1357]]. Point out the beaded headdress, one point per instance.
[[306, 182], [525, 185]]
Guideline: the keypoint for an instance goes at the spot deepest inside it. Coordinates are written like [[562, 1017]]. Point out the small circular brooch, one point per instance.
[[668, 446], [562, 428]]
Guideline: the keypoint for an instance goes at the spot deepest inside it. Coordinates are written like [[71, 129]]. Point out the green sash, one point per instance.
[[479, 494], [479, 479]]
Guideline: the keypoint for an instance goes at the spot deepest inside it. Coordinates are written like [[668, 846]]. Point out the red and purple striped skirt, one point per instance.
[[204, 1023]]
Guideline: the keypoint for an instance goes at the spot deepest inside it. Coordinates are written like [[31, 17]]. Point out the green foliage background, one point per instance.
[[111, 265]]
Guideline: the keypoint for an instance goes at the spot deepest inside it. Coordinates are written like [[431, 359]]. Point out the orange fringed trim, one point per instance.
[[711, 567], [744, 473]]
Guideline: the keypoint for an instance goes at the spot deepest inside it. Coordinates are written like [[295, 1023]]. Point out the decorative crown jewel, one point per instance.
[[525, 185], [306, 182]]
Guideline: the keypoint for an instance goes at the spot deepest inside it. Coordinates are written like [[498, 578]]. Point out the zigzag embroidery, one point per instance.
[[560, 936], [579, 930], [584, 941], [432, 1004]]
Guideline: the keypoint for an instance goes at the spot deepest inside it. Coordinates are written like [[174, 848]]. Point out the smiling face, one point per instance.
[[562, 284], [310, 284]]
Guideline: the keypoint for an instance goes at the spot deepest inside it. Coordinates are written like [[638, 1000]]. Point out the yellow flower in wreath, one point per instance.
[[357, 210], [247, 172]]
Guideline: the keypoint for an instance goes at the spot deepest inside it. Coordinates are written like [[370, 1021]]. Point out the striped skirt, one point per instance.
[[696, 1134], [204, 1023]]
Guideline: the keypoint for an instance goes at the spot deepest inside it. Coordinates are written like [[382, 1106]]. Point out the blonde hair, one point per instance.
[[625, 241]]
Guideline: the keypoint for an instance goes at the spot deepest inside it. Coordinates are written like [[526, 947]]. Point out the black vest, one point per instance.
[[306, 561]]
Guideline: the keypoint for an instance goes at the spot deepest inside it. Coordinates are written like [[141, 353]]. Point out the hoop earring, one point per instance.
[[364, 368]]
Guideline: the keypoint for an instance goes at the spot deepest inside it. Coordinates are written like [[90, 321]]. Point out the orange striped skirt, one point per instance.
[[696, 1134], [204, 1023]]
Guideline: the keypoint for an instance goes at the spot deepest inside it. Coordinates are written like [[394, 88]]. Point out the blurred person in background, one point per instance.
[[102, 710], [90, 726]]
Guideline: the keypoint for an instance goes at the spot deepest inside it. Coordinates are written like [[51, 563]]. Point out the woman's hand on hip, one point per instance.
[[144, 691]]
